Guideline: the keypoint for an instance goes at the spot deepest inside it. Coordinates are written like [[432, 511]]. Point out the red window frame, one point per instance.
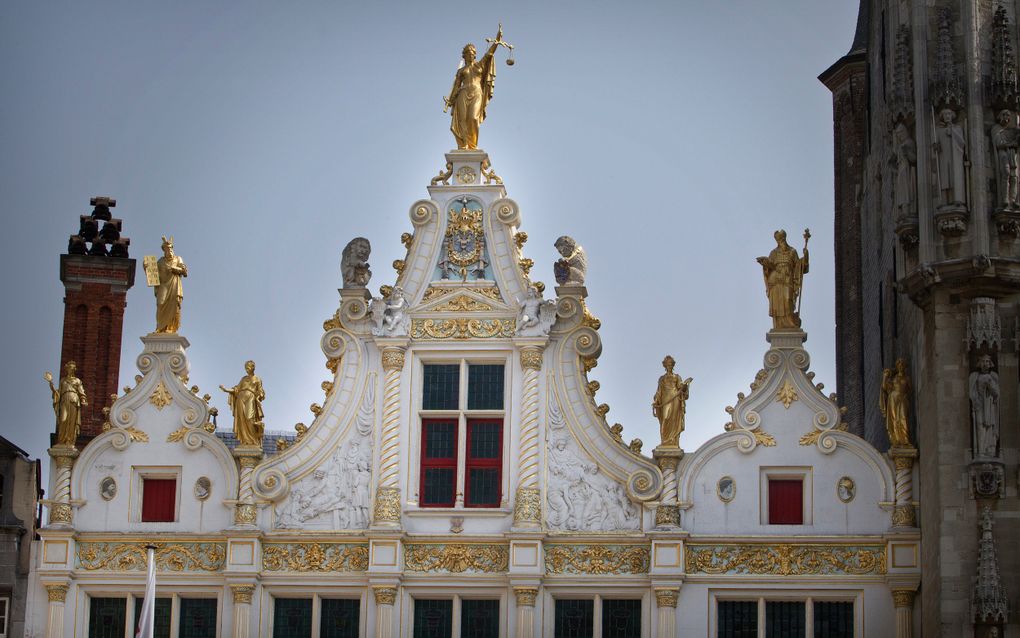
[[478, 463], [786, 501], [159, 500], [438, 463]]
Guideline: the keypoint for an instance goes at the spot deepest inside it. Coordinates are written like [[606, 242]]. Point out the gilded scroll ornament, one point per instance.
[[315, 557], [597, 559], [456, 558], [785, 559], [170, 557], [160, 396], [442, 329], [787, 394]]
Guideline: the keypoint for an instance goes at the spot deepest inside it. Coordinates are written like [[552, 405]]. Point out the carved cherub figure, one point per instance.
[[390, 314], [536, 315]]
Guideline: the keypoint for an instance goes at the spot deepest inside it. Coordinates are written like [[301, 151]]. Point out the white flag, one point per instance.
[[147, 619]]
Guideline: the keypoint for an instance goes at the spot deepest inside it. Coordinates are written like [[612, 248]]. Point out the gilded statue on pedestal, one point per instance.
[[894, 404], [670, 403], [169, 289], [68, 400], [245, 400], [784, 274], [472, 89]]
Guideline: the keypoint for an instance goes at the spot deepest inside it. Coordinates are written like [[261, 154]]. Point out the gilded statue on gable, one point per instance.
[[169, 289], [245, 400], [670, 403], [784, 272], [472, 89], [68, 400], [894, 404]]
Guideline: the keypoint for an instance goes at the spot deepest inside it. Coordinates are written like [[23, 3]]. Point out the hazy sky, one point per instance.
[[671, 139]]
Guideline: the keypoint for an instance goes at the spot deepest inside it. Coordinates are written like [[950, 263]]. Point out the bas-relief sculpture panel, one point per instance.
[[579, 497], [336, 495]]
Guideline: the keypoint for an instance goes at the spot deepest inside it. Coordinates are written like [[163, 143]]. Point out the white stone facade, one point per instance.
[[340, 513]]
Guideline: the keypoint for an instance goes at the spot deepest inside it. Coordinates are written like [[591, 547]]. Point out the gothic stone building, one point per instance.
[[927, 246], [460, 479]]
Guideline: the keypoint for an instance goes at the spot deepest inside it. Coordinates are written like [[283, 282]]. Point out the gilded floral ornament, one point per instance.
[[136, 435], [764, 438], [434, 293], [597, 559], [787, 394], [170, 557], [455, 558], [785, 559], [160, 396], [466, 175], [315, 557], [442, 329], [463, 303]]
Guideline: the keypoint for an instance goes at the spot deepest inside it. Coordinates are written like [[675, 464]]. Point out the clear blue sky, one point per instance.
[[669, 138]]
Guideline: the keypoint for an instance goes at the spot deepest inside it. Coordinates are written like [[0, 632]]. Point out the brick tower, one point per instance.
[[97, 273]]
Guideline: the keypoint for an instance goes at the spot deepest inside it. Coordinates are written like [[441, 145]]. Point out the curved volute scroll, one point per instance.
[[574, 354], [785, 380], [273, 477]]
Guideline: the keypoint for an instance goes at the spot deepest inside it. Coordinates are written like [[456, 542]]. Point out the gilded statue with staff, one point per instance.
[[166, 276], [670, 403], [472, 89], [784, 272]]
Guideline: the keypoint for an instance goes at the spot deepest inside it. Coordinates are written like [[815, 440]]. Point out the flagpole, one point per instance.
[[147, 619]]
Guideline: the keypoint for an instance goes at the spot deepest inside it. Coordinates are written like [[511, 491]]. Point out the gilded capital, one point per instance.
[[667, 597], [242, 594], [245, 514], [527, 506], [56, 593], [60, 513], [387, 505], [385, 595], [526, 596], [903, 597], [903, 462], [393, 359], [667, 515], [531, 358]]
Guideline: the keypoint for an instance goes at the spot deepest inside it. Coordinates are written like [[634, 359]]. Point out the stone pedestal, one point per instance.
[[667, 514], [245, 510], [61, 513]]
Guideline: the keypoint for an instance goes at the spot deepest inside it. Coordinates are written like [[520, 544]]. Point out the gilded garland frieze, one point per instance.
[[456, 558], [597, 559], [785, 560], [170, 557], [442, 329], [315, 557]]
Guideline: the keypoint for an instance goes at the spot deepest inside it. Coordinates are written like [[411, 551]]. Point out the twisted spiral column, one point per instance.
[[387, 494], [667, 514], [527, 503], [904, 514], [245, 510], [60, 505]]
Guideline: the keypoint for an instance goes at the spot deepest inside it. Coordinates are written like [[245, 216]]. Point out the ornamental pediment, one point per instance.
[[459, 298]]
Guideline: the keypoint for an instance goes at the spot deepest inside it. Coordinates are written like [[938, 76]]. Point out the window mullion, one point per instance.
[[316, 602], [596, 621], [461, 459], [761, 617], [809, 618]]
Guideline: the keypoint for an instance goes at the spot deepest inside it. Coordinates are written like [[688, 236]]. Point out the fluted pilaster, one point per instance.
[[665, 599], [903, 600], [242, 609], [525, 611], [385, 598], [56, 593]]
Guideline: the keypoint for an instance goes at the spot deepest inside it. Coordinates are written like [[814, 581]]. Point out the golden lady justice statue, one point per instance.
[[784, 274], [68, 400], [165, 277], [245, 400], [670, 403], [472, 89], [894, 404]]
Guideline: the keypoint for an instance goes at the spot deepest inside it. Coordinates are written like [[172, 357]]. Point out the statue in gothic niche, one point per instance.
[[894, 404], [354, 263], [904, 161], [1006, 143], [950, 148], [984, 407]]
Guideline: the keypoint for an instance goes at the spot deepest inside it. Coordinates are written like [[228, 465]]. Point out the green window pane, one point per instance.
[[834, 619], [440, 387], [107, 617], [574, 619], [485, 387], [621, 618], [784, 619], [340, 618], [292, 618], [479, 618], [198, 618], [738, 619], [433, 618]]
